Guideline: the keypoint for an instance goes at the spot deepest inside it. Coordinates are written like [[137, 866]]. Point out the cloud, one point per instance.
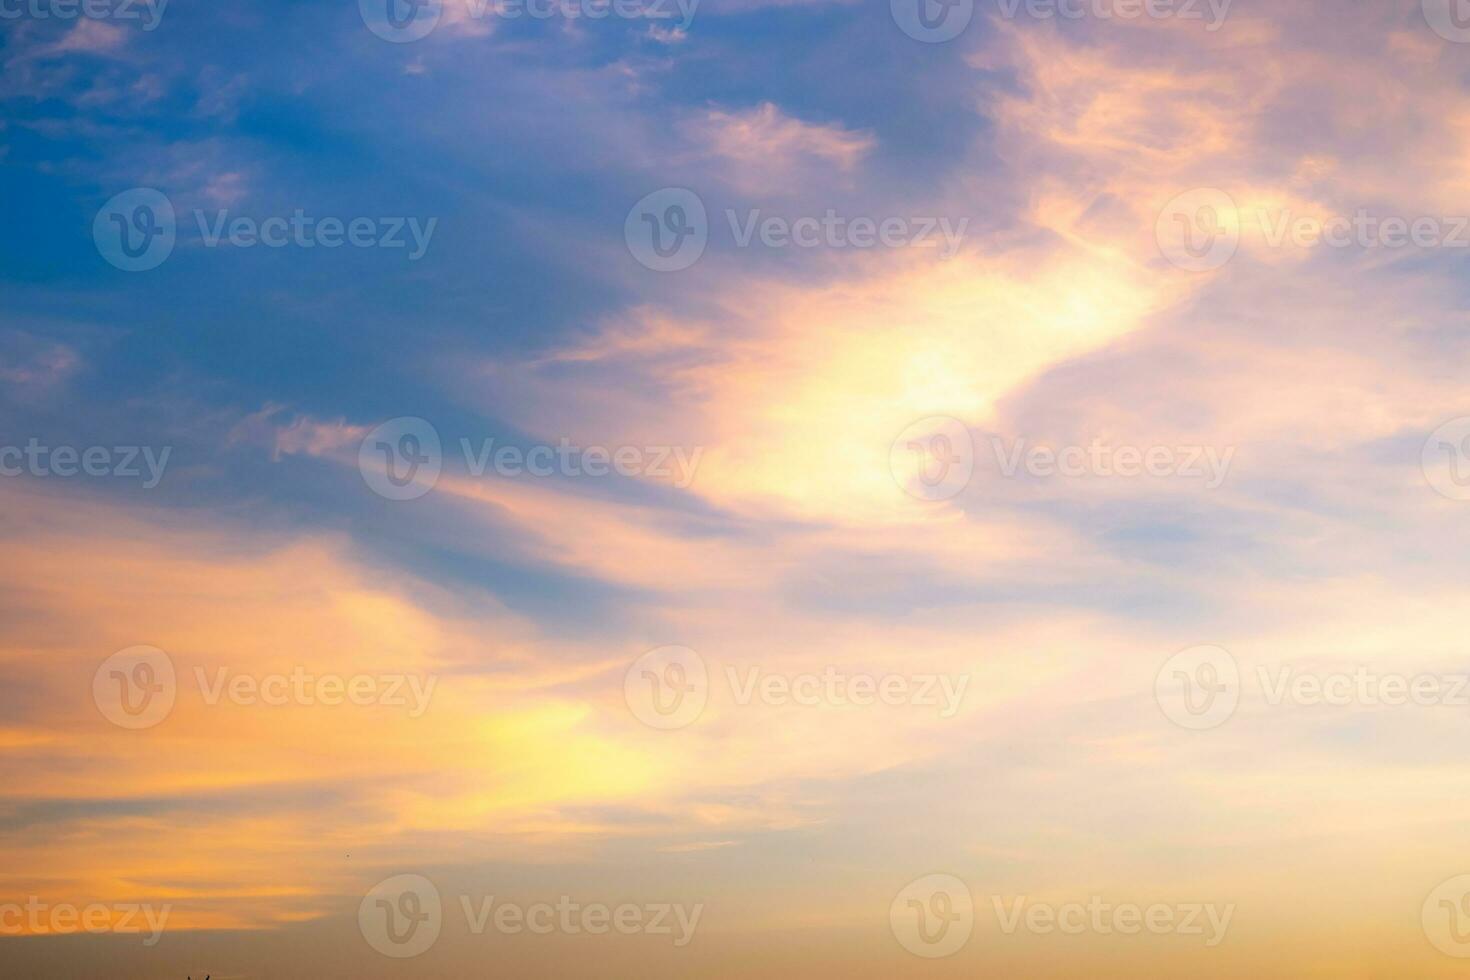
[[762, 150]]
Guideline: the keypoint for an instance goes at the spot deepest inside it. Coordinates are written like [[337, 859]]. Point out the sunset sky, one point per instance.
[[615, 514]]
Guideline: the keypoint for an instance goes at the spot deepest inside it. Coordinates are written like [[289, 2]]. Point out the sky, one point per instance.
[[734, 488]]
